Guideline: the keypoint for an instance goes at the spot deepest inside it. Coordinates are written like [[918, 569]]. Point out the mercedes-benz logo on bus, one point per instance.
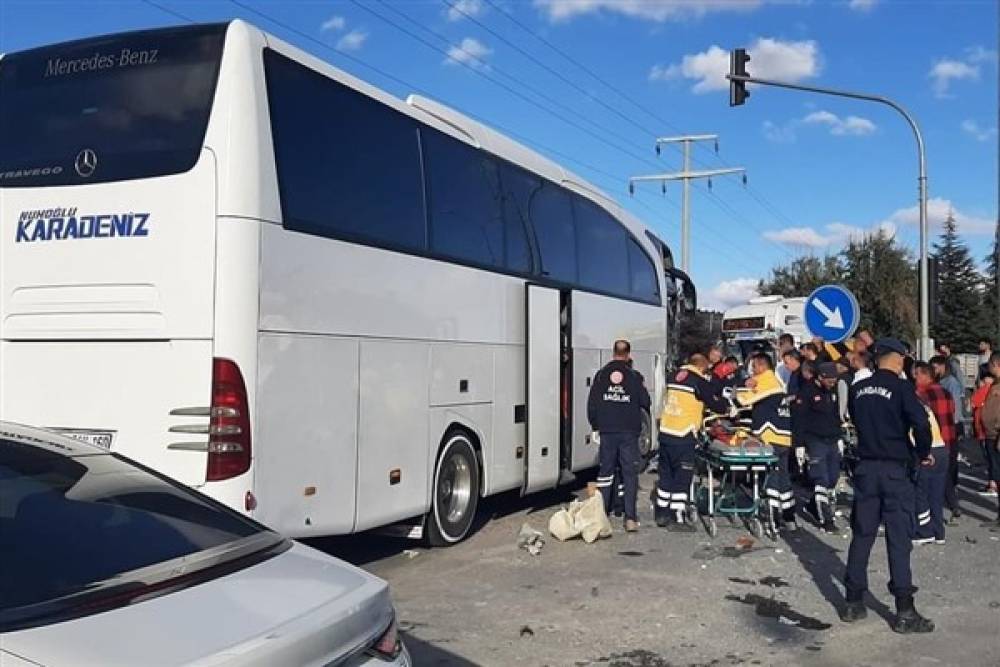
[[86, 162]]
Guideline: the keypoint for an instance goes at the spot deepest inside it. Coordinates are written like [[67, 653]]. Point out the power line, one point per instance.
[[758, 197], [168, 10], [579, 65], [481, 73], [628, 119], [518, 81]]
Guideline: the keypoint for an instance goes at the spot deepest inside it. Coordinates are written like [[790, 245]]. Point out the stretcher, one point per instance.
[[732, 468]]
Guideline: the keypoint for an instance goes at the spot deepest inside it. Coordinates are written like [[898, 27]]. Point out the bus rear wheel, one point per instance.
[[455, 492]]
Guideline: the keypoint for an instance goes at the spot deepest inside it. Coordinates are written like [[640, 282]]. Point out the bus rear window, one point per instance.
[[112, 108]]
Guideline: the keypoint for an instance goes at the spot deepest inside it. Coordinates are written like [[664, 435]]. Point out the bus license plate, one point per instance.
[[102, 439]]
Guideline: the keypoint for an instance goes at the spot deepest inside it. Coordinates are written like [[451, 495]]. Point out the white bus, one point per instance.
[[324, 306]]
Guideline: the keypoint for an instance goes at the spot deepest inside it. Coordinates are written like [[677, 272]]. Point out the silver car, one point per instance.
[[104, 562]]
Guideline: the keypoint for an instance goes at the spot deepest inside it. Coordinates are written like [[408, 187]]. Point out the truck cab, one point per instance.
[[761, 321]]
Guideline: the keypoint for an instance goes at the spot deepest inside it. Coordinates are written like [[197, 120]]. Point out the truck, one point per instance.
[[760, 322]]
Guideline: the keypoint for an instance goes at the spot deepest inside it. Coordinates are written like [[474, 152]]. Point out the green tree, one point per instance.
[[959, 299], [802, 275], [991, 306], [699, 331], [882, 275]]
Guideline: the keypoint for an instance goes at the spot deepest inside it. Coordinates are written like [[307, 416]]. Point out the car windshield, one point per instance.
[[76, 529]]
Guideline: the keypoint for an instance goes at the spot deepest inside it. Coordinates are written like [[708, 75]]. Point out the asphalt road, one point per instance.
[[654, 598]]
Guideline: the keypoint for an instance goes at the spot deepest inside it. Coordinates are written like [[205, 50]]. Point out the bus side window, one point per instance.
[[464, 201], [518, 188], [602, 249], [348, 166], [552, 220]]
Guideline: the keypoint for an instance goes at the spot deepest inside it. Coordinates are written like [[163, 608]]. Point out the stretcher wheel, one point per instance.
[[756, 527], [713, 528]]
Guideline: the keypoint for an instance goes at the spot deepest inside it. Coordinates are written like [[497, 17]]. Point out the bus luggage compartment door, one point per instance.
[[543, 385]]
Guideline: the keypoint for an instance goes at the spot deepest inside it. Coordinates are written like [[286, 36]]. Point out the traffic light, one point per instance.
[[738, 60]]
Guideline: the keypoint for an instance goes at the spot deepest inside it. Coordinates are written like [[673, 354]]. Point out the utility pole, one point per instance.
[[738, 79], [686, 176]]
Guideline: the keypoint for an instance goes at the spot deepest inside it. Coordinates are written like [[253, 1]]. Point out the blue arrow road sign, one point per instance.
[[832, 313]]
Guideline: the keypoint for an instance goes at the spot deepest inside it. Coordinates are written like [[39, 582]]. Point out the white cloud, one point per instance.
[[769, 58], [837, 234], [798, 237], [352, 41], [469, 52], [333, 23], [834, 234], [945, 71], [973, 129], [781, 134], [862, 5], [938, 209], [855, 126], [851, 125], [648, 10], [731, 293], [978, 54], [460, 9]]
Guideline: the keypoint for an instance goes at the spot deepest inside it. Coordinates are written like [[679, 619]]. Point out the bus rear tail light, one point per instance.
[[229, 442]]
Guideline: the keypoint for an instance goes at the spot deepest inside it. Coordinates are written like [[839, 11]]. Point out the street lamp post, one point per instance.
[[925, 340]]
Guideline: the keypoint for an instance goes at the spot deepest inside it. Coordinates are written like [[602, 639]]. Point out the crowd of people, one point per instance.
[[905, 418]]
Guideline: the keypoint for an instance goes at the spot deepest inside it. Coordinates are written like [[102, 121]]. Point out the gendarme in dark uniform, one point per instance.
[[616, 406], [894, 435]]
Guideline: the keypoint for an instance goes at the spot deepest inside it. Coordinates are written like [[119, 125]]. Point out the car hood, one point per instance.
[[301, 607]]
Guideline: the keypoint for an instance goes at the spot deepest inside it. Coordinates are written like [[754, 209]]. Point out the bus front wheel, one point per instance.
[[455, 492]]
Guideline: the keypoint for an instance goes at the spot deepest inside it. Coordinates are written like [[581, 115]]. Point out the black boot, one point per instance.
[[777, 520], [662, 517], [907, 618], [788, 518], [854, 610]]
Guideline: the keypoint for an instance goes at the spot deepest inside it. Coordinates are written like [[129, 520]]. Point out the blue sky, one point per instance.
[[621, 72]]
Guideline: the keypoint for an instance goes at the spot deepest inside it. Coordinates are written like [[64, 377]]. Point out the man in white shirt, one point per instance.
[[861, 365], [785, 343]]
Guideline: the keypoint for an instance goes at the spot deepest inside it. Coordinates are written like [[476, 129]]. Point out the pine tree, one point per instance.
[[991, 305], [959, 299]]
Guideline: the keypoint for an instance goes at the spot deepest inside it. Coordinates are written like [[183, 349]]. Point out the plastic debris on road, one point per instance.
[[530, 540], [586, 519]]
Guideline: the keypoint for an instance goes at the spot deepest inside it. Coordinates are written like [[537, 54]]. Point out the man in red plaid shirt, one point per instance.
[[932, 480]]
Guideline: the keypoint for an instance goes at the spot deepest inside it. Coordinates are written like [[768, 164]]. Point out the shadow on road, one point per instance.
[[424, 653], [824, 565], [365, 548]]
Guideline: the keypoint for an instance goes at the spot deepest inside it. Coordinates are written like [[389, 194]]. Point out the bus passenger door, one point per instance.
[[542, 371]]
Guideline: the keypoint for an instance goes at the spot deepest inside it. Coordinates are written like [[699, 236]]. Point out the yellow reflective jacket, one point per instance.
[[689, 393], [771, 415]]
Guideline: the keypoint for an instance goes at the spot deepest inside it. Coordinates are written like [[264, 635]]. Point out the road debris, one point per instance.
[[530, 540], [585, 519], [526, 632]]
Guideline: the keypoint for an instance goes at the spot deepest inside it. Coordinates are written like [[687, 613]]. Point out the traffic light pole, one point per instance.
[[925, 338]]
